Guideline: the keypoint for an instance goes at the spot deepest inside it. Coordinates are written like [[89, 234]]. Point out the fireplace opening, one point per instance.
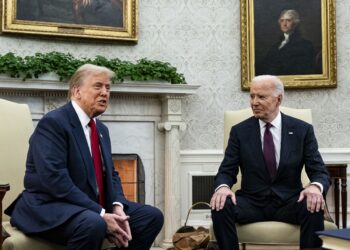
[[202, 189], [132, 175]]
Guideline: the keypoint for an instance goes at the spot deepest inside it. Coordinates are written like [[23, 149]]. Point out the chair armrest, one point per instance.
[[4, 187], [327, 215]]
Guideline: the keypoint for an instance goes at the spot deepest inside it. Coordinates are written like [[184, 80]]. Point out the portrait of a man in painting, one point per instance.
[[288, 38]]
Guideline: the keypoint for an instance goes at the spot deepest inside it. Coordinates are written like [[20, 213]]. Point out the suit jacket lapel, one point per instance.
[[107, 163], [83, 146], [287, 132], [255, 140], [104, 152]]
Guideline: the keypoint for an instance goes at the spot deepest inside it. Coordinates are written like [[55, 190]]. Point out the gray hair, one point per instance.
[[293, 13], [84, 71], [278, 84]]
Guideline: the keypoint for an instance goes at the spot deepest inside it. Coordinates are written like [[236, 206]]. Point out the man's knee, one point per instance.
[[93, 225], [99, 226], [156, 217], [227, 210], [145, 222], [305, 213]]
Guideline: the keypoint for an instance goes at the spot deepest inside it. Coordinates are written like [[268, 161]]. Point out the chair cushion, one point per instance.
[[272, 232], [19, 241]]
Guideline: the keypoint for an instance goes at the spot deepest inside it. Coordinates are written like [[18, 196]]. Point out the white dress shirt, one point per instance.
[[285, 41], [84, 120]]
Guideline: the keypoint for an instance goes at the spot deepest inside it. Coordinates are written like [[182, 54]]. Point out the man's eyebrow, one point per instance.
[[102, 83]]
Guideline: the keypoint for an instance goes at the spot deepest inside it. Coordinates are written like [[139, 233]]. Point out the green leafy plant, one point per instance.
[[64, 65]]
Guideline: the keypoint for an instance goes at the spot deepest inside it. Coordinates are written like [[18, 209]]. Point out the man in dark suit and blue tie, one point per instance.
[[271, 184], [73, 196]]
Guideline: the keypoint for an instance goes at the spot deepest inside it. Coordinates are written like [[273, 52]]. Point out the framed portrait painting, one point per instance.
[[293, 39], [99, 19]]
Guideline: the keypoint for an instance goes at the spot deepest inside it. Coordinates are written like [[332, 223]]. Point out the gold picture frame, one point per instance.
[[261, 28], [108, 19]]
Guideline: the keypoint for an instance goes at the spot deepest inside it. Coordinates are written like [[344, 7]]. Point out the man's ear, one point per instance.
[[279, 99], [76, 92]]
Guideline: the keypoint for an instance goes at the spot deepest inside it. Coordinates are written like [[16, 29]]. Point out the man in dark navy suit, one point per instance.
[[270, 150], [65, 200]]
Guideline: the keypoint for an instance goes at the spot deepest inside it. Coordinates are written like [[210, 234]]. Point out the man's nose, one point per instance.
[[104, 91], [254, 100]]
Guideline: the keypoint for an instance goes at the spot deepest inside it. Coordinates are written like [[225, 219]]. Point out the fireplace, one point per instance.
[[132, 175]]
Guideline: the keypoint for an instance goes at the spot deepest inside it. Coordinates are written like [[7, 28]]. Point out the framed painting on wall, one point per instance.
[[293, 39], [100, 19]]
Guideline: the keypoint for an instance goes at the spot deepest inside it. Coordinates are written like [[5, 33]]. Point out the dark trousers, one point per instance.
[[250, 210], [87, 230]]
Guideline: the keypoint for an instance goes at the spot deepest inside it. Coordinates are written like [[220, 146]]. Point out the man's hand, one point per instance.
[[118, 229], [218, 199], [118, 210], [314, 198]]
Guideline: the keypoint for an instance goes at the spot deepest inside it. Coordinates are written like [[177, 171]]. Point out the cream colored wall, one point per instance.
[[201, 38]]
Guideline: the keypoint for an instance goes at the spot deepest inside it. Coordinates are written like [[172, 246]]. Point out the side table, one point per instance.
[[338, 175], [3, 189]]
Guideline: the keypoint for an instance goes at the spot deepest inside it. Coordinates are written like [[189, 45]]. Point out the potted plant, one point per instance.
[[64, 65]]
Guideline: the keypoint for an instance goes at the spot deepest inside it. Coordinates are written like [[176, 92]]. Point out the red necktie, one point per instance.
[[269, 151], [96, 157]]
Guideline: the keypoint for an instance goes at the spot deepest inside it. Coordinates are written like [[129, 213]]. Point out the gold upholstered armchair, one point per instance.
[[15, 129], [269, 234]]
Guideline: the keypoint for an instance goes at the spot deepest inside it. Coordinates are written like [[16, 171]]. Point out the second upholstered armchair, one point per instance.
[[15, 130], [269, 234]]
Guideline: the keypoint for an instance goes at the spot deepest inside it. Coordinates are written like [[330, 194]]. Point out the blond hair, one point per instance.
[[84, 71]]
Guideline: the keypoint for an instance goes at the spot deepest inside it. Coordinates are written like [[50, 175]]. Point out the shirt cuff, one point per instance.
[[118, 204], [220, 186], [103, 211], [318, 184]]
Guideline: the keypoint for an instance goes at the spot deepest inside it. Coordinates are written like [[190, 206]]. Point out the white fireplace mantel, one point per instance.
[[143, 117], [129, 87]]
